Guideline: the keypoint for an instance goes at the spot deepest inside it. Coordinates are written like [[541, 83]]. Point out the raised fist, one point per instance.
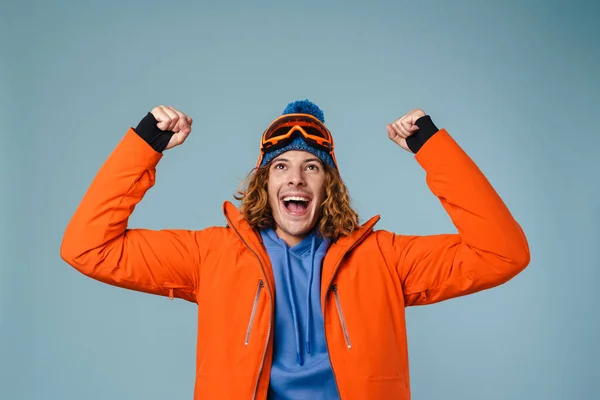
[[404, 127], [170, 119]]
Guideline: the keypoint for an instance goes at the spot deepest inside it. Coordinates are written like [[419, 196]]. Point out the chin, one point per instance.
[[296, 230]]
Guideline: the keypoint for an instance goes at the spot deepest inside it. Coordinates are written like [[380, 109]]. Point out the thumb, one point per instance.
[[177, 139], [162, 125], [409, 125]]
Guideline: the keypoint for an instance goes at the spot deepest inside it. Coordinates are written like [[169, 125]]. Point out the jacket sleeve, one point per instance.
[[490, 247], [98, 243]]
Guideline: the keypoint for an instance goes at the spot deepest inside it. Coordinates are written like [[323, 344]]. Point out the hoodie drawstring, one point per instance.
[[308, 307]]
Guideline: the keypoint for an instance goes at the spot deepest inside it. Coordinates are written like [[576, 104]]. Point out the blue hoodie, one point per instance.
[[301, 367]]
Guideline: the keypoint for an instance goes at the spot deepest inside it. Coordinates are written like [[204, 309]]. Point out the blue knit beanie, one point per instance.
[[301, 107]]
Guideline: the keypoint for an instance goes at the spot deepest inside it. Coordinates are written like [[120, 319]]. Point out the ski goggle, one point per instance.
[[286, 128]]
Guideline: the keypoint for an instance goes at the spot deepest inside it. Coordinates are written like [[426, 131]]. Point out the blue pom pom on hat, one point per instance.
[[301, 107], [304, 107]]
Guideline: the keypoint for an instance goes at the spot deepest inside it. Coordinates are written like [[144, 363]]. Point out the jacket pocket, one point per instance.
[[338, 304], [253, 313]]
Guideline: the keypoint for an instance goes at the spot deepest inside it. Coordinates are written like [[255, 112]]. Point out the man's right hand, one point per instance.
[[170, 119]]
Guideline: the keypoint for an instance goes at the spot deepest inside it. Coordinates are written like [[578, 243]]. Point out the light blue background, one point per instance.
[[515, 83]]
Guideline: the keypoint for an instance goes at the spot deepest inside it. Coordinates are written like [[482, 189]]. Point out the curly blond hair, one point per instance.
[[337, 218]]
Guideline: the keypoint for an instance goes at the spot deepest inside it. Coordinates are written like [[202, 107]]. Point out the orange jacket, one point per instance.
[[368, 278]]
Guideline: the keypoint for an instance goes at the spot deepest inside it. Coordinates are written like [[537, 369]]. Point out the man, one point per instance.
[[296, 300]]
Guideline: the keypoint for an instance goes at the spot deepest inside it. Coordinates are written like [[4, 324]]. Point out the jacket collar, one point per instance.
[[252, 239], [339, 249], [235, 220]]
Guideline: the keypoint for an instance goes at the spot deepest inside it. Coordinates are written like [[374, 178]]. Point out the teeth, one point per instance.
[[295, 198]]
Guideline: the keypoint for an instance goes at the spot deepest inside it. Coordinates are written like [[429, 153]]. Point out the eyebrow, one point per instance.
[[313, 159]]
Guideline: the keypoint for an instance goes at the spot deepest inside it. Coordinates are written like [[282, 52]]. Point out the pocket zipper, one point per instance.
[[252, 315], [334, 289], [172, 287]]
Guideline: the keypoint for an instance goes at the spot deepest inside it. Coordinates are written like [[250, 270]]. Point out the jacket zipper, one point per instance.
[[256, 298], [262, 361], [334, 289], [324, 308]]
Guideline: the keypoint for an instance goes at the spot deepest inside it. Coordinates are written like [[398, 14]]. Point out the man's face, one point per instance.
[[296, 189]]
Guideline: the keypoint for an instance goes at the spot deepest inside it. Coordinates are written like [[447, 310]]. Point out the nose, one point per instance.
[[296, 177]]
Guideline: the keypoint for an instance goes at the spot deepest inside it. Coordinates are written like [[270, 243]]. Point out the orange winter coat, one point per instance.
[[368, 278]]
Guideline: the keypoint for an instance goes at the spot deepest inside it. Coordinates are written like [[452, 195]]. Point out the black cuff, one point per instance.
[[148, 131], [426, 130]]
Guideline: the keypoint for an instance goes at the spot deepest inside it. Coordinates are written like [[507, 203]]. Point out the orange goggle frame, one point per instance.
[[285, 128]]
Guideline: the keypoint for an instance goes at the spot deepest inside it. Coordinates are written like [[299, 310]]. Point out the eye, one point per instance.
[[312, 167], [278, 166]]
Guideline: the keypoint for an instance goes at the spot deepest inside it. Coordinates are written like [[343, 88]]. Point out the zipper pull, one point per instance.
[[170, 293]]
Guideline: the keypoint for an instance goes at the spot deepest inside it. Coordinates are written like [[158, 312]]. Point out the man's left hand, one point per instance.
[[404, 127]]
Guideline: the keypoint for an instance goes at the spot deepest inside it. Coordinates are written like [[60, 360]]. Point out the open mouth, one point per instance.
[[296, 205]]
